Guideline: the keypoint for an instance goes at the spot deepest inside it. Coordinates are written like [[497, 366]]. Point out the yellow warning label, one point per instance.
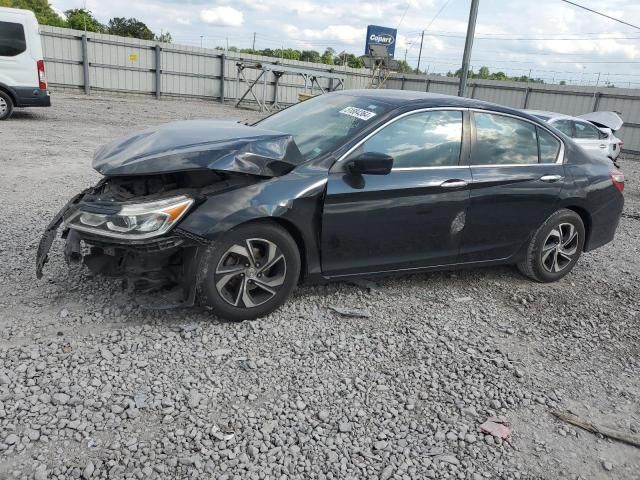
[[133, 57]]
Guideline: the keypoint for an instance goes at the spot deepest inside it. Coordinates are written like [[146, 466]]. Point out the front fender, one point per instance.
[[293, 200]]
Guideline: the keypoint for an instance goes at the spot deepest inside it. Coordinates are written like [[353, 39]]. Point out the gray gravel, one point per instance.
[[92, 386]]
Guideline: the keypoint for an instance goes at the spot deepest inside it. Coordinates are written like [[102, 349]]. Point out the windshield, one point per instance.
[[322, 123]]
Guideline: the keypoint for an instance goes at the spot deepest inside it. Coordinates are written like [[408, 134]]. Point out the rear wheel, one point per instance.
[[555, 247], [6, 105], [251, 271]]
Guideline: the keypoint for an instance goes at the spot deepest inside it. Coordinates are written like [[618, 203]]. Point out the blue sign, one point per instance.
[[384, 36]]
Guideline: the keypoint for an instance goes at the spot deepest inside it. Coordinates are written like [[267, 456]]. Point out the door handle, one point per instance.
[[603, 146], [453, 184], [550, 178]]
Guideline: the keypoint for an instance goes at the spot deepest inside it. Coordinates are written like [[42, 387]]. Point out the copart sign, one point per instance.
[[384, 36]]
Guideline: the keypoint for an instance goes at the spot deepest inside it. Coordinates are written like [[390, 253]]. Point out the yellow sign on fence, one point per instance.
[[133, 57]]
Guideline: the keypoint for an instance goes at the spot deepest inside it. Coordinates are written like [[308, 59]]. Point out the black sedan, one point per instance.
[[358, 182]]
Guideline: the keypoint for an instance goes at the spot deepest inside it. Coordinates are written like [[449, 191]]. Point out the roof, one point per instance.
[[548, 114], [426, 99]]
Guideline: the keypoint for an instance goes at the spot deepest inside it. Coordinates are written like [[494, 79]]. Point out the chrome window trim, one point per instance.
[[406, 114], [559, 158], [559, 161]]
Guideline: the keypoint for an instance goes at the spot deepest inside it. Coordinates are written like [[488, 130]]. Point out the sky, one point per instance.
[[554, 40]]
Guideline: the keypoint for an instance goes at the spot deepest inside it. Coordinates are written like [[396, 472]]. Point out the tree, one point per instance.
[[45, 14], [404, 67], [129, 27], [327, 56], [164, 37], [81, 19], [310, 56]]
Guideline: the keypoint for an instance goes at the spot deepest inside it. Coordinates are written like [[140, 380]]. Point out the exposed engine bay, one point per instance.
[[162, 268]]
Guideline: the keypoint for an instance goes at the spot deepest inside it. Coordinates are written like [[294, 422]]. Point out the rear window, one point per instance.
[[12, 41]]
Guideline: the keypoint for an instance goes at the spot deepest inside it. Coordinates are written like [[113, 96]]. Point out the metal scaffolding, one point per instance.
[[336, 82]]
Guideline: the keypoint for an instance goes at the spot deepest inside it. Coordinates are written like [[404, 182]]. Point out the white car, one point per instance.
[[592, 131], [22, 78]]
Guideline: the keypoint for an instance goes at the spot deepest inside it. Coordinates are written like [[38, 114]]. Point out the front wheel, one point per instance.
[[6, 106], [251, 271], [555, 247]]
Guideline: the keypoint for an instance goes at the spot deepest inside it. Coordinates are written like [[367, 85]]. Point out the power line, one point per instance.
[[601, 14]]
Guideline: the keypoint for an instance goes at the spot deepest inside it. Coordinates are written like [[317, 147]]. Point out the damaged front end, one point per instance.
[[127, 225]]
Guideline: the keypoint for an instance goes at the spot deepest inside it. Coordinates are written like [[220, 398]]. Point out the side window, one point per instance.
[[502, 140], [565, 126], [425, 139], [12, 41], [549, 146], [584, 130]]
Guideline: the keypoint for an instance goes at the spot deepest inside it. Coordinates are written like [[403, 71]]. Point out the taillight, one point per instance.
[[42, 78], [617, 177]]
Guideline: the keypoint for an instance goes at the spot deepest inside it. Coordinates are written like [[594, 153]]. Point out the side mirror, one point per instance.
[[371, 163]]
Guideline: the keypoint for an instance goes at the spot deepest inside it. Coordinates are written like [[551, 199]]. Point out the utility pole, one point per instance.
[[420, 54], [254, 42], [468, 45]]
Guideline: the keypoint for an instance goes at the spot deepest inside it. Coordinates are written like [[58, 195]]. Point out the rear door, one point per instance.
[[410, 218], [517, 174], [17, 67]]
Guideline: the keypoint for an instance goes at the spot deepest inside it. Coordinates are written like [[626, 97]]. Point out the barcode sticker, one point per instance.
[[359, 113]]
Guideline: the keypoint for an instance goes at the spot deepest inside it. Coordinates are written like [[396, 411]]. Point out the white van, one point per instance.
[[22, 78]]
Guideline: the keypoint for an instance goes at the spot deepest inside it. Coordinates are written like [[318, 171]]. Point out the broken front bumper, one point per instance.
[[161, 272]]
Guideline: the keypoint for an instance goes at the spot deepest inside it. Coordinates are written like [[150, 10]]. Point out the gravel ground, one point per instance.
[[92, 386]]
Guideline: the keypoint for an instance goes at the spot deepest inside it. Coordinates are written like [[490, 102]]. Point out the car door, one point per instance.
[[413, 216], [517, 174], [591, 139]]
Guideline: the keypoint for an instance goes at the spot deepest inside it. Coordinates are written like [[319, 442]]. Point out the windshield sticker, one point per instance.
[[358, 113]]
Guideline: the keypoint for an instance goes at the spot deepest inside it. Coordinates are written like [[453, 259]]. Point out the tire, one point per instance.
[[554, 250], [6, 105], [239, 286]]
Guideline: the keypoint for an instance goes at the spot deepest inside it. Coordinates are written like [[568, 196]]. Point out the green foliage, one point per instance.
[[485, 74], [44, 13], [81, 19], [327, 56], [403, 67], [129, 27], [164, 37]]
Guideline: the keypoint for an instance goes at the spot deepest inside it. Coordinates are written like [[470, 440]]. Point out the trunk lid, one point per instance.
[[609, 120]]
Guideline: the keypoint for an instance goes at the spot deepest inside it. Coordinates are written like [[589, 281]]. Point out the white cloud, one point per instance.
[[331, 34], [227, 16]]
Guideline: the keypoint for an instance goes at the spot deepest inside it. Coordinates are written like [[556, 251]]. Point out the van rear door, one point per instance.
[[18, 67]]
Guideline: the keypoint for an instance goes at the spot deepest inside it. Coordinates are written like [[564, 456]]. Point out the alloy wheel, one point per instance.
[[560, 247], [3, 106], [250, 273]]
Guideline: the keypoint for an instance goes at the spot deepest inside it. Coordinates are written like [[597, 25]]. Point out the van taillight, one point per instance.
[[617, 177], [42, 78]]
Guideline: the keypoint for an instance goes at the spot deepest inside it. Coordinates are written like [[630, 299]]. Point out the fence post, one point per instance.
[[158, 71], [426, 84], [85, 64], [527, 91], [403, 80], [223, 67], [596, 101], [473, 91]]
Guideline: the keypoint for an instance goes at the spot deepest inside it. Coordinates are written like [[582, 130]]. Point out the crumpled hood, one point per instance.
[[199, 145]]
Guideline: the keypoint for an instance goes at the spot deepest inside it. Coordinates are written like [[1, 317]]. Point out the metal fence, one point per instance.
[[568, 99], [94, 61]]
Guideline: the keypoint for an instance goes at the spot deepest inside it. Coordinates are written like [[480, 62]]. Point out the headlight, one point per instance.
[[132, 222]]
